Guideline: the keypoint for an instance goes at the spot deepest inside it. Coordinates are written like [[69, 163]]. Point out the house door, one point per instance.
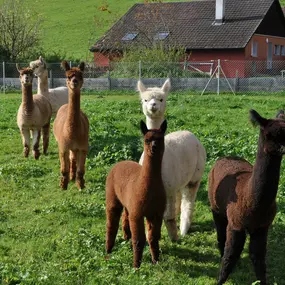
[[269, 55]]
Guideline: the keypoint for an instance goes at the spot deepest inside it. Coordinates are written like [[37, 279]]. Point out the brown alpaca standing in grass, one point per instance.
[[33, 115], [242, 198], [71, 130], [139, 190]]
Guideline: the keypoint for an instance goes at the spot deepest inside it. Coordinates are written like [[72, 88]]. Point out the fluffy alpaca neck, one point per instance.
[[73, 109], [27, 98], [265, 177], [43, 83], [154, 123], [151, 170]]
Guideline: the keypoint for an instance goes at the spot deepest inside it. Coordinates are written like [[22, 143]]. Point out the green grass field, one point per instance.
[[50, 236]]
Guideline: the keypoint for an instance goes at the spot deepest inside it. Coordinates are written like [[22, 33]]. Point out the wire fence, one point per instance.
[[215, 76]]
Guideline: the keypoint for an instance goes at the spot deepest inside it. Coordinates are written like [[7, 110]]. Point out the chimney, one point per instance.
[[220, 12]]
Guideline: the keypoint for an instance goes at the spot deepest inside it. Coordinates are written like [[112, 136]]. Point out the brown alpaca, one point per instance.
[[242, 198], [33, 115], [140, 191], [71, 130]]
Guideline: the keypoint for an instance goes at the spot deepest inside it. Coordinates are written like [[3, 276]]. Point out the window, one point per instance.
[[283, 50], [161, 36], [254, 48], [129, 36], [277, 49]]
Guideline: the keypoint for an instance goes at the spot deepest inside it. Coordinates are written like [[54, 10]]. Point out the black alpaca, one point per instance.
[[242, 198]]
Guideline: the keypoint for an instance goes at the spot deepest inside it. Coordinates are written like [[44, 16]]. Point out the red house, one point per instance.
[[247, 35]]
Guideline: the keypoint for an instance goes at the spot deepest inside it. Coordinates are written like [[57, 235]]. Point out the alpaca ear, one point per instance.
[[18, 67], [141, 87], [65, 65], [166, 86], [280, 115], [163, 126], [42, 61], [144, 128], [81, 66], [256, 119]]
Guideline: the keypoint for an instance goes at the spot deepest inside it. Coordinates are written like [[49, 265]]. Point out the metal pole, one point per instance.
[[4, 87], [213, 74], [140, 69], [51, 79], [219, 73]]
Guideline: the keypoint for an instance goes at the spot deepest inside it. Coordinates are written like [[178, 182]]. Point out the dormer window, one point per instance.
[[129, 36], [161, 36]]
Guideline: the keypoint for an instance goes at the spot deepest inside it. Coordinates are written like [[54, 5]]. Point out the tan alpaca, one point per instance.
[[139, 190], [33, 115], [71, 130]]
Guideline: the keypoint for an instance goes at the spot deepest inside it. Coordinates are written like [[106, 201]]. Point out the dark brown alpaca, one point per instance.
[[242, 198], [71, 130], [139, 190]]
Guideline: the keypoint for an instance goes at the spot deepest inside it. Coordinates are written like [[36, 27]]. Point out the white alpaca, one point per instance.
[[56, 96], [183, 162]]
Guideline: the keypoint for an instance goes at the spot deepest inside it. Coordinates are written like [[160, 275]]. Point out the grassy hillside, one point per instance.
[[71, 27]]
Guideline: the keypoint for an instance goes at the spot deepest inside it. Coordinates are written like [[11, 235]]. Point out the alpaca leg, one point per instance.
[[81, 158], [46, 131], [257, 251], [64, 169], [36, 143], [234, 246], [221, 223], [126, 225], [187, 206], [153, 237], [26, 141], [138, 239], [113, 214], [170, 218], [72, 158]]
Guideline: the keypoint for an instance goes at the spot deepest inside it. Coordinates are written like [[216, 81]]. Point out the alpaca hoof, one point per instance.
[[80, 185], [63, 183], [26, 152], [37, 154], [72, 176]]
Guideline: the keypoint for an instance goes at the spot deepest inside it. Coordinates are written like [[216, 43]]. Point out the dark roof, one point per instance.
[[190, 24]]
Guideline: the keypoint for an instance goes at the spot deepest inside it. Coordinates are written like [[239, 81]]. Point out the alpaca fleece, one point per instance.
[[139, 190], [183, 161], [34, 115], [243, 198]]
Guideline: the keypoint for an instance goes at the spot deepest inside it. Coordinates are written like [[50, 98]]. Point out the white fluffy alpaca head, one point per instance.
[[154, 99], [39, 66]]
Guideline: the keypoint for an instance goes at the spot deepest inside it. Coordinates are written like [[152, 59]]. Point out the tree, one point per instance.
[[19, 29]]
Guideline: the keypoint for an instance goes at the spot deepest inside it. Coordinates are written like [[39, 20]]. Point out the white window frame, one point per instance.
[[254, 48]]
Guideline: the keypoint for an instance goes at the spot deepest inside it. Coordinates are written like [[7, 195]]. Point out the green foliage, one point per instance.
[[156, 62], [19, 30], [49, 236]]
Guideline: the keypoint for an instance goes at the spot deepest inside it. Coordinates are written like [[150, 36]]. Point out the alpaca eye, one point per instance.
[[145, 100], [147, 141], [161, 100]]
